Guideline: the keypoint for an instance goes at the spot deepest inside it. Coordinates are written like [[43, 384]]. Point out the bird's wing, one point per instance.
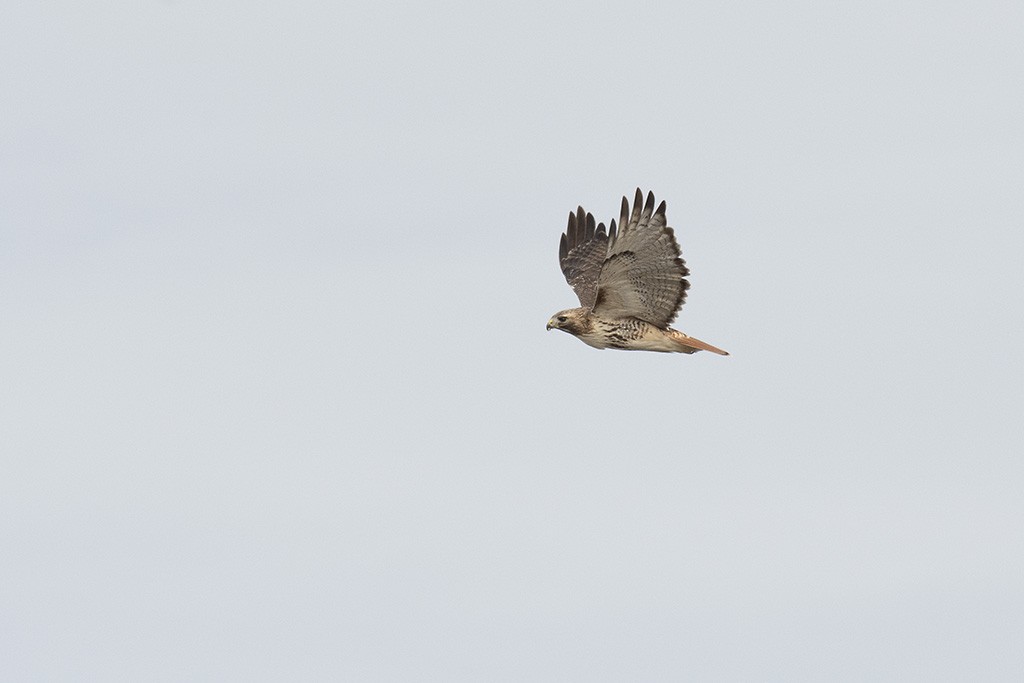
[[642, 276], [581, 252]]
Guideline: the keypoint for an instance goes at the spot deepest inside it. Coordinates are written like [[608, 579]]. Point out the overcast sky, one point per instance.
[[277, 401]]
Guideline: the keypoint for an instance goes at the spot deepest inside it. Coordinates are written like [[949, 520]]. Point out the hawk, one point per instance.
[[630, 283]]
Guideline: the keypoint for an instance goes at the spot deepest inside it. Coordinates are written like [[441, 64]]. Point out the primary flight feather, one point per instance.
[[631, 281]]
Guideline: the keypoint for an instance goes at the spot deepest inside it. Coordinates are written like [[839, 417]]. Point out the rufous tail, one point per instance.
[[693, 344]]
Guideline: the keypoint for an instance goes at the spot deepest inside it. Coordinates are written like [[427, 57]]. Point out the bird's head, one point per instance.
[[572, 320]]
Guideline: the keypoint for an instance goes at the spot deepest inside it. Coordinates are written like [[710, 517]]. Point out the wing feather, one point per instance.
[[581, 252], [642, 275]]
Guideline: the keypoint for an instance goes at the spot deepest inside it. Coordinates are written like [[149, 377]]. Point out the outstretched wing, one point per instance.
[[642, 275], [581, 252]]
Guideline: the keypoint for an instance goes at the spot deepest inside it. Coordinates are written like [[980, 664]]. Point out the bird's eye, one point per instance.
[[561, 318]]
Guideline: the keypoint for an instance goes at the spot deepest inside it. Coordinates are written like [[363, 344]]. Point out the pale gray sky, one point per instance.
[[277, 401]]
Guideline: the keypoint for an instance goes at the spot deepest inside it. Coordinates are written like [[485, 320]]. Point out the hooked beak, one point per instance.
[[551, 323]]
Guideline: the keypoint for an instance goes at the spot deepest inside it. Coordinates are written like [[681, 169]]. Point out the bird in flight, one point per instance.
[[630, 283]]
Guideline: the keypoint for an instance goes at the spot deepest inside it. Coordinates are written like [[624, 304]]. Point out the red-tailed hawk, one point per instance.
[[631, 283]]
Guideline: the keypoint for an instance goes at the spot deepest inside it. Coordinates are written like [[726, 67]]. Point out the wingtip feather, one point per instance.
[[638, 202], [649, 205]]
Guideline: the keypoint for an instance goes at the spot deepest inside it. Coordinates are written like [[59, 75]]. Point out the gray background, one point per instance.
[[277, 401]]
